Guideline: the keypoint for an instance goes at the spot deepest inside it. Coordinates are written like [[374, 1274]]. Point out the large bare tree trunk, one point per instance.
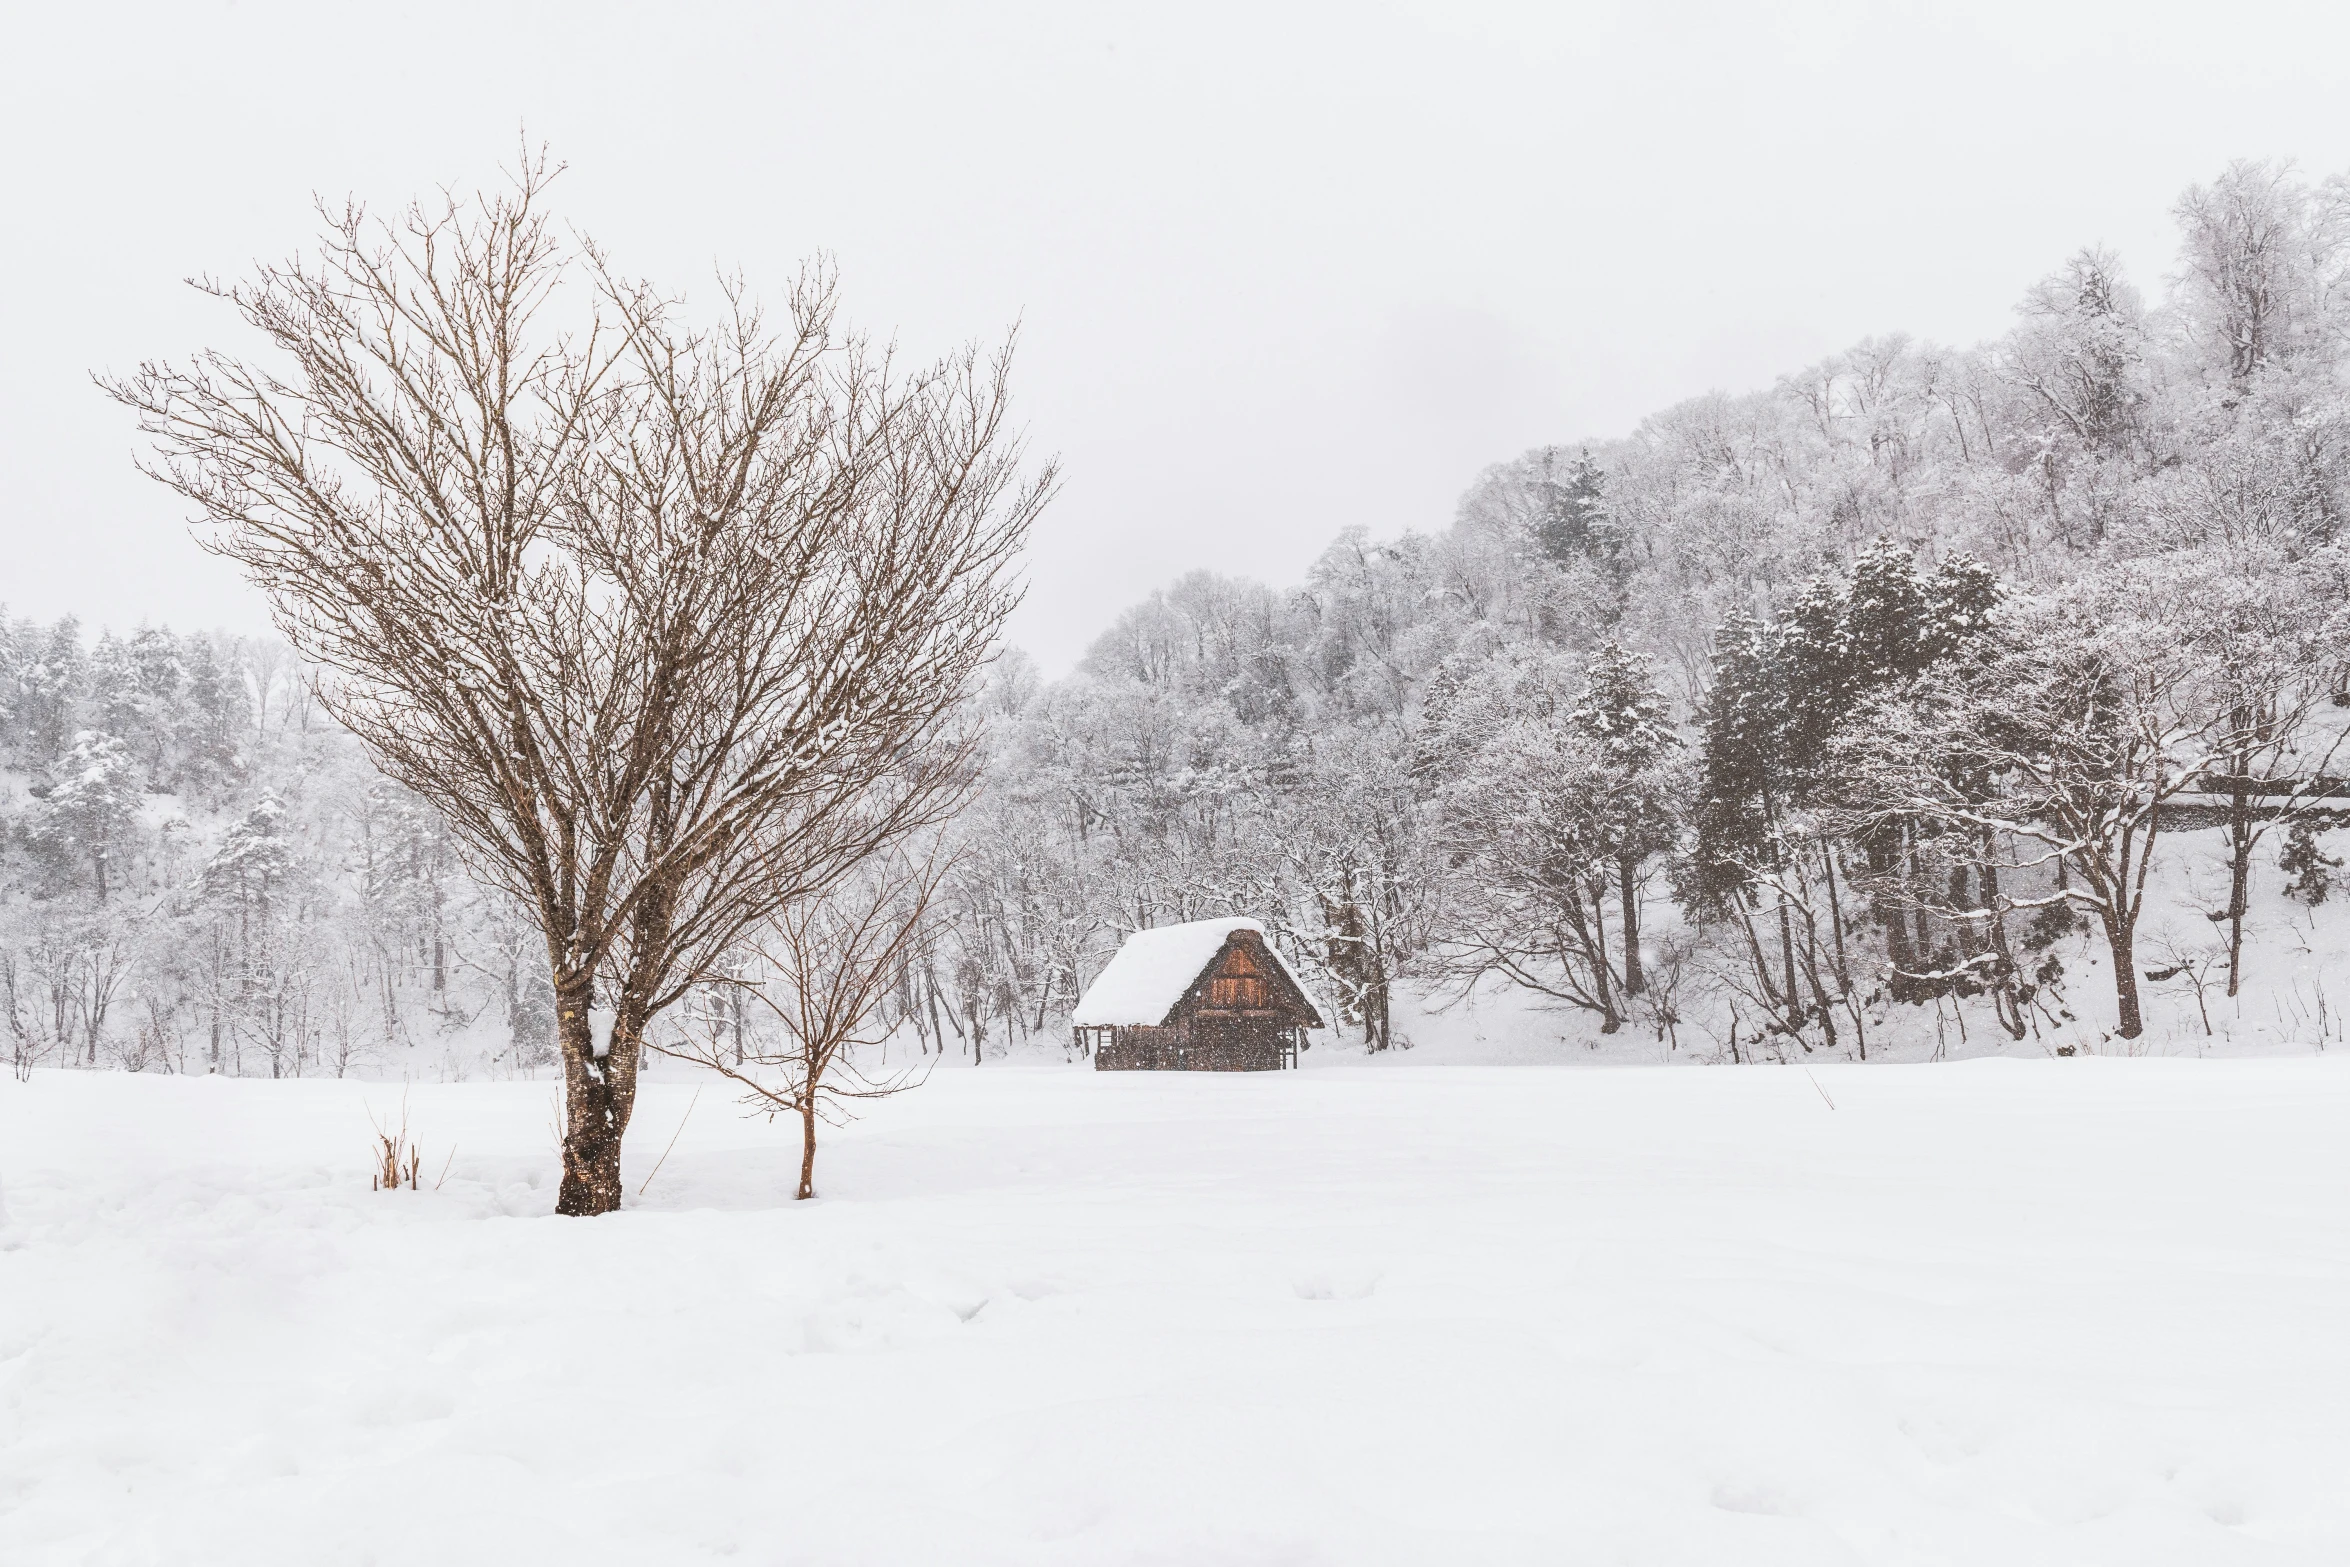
[[2121, 941], [599, 1096]]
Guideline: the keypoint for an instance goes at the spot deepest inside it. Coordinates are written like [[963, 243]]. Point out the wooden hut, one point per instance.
[[1208, 996]]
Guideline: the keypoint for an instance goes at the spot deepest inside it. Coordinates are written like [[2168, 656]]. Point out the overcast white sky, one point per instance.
[[1283, 268]]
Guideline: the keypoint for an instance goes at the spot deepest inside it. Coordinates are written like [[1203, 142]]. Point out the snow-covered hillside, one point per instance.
[[2030, 1311]]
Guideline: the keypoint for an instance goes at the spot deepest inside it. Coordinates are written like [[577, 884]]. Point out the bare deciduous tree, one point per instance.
[[2262, 662], [2062, 753], [1528, 827], [672, 624], [829, 963]]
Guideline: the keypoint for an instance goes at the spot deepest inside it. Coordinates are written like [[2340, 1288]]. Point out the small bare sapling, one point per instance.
[[824, 967]]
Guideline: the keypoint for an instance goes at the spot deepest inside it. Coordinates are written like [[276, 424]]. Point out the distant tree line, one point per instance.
[[201, 873], [1886, 686], [1863, 691]]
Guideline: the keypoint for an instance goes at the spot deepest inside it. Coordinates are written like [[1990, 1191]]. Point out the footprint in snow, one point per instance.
[[1335, 1283]]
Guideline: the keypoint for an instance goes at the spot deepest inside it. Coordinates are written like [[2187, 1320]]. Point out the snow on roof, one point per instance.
[[1152, 971]]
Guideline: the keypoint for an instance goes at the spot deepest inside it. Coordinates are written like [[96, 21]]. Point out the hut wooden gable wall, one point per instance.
[[1243, 1013]]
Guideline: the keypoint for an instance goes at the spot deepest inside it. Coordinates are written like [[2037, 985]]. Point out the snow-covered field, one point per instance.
[[2079, 1311]]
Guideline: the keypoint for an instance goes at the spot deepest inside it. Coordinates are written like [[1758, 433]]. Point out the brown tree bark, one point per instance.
[[808, 1147], [2006, 1002], [2121, 942], [2240, 840], [1787, 957], [1376, 1022], [1843, 964], [1627, 889], [599, 1097]]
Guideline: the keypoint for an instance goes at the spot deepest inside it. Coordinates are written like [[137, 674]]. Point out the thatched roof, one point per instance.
[[1154, 969]]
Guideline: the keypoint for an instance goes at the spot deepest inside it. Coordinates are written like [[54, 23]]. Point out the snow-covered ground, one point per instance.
[[2007, 1311]]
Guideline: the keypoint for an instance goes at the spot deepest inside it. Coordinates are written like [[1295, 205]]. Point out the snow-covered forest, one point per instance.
[[1900, 687], [1919, 689], [203, 873]]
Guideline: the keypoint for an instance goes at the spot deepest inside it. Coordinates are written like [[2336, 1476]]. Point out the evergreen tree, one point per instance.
[[213, 718], [1811, 652], [1960, 598], [1888, 615], [254, 857], [1749, 782], [52, 687], [1573, 522], [84, 823], [2309, 870], [115, 703], [154, 678], [1739, 762], [1624, 713], [1629, 724]]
